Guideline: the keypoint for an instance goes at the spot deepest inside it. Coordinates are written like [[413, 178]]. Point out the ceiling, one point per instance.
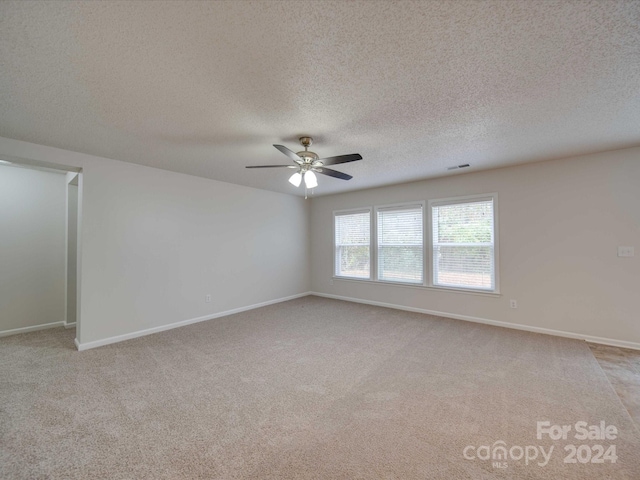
[[206, 88]]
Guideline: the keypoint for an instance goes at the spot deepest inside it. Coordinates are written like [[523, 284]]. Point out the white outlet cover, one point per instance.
[[625, 252]]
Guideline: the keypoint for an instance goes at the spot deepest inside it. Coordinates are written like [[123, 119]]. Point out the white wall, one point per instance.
[[154, 243], [32, 247], [560, 225], [72, 249]]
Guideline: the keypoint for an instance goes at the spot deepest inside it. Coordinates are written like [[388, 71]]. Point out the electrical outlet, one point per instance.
[[207, 298], [331, 281], [625, 251], [513, 303]]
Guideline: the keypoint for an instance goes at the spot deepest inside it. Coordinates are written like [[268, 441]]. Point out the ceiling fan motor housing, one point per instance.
[[307, 156]]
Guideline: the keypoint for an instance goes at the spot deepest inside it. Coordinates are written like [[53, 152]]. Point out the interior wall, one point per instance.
[[155, 243], [72, 250], [560, 223], [32, 247]]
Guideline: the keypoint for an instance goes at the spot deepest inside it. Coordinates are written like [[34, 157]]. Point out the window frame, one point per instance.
[[353, 211], [437, 202], [427, 244], [374, 241]]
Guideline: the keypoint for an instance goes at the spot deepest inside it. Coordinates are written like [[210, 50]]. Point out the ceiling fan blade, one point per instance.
[[289, 153], [273, 166], [340, 159], [332, 173]]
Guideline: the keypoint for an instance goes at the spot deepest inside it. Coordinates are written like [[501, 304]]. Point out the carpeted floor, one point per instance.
[[311, 388], [622, 368]]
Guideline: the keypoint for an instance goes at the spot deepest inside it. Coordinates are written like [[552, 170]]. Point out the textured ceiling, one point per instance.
[[205, 88]]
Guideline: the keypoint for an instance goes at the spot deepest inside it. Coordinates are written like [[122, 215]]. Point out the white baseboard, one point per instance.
[[162, 328], [70, 325], [495, 323], [35, 328]]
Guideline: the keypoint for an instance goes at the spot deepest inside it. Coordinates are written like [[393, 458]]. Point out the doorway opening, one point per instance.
[[40, 230]]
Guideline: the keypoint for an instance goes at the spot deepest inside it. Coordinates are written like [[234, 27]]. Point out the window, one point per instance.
[[353, 244], [463, 245], [399, 244], [386, 244]]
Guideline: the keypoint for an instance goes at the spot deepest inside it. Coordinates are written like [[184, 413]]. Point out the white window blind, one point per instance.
[[353, 244], [400, 245], [463, 244]]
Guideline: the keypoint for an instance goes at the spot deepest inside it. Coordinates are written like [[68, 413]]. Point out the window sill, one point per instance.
[[468, 291]]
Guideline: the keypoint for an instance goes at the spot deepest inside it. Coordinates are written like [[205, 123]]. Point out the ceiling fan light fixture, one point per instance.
[[310, 179], [295, 179]]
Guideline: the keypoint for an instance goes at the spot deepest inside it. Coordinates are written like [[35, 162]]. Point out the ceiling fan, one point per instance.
[[306, 163]]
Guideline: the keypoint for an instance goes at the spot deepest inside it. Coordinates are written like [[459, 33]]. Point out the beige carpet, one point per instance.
[[312, 388]]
